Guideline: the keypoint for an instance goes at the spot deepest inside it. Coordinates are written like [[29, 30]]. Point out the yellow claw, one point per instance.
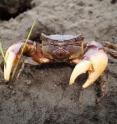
[[8, 65], [79, 69], [10, 60], [98, 60]]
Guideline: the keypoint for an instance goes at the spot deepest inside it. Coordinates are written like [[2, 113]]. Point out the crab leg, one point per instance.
[[111, 52], [94, 61], [110, 45], [13, 55], [111, 49]]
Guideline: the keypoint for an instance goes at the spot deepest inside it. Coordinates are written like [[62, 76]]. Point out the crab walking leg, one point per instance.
[[95, 62], [110, 45], [111, 52], [111, 49]]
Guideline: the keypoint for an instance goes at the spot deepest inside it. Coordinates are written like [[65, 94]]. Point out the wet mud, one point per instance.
[[41, 94]]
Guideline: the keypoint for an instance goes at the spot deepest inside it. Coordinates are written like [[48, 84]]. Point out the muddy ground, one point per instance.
[[41, 95]]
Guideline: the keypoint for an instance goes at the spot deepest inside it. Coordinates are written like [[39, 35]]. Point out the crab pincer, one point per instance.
[[95, 61], [12, 57], [14, 54]]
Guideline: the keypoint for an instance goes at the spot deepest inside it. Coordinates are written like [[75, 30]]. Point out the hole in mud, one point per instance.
[[4, 15], [11, 9], [113, 1]]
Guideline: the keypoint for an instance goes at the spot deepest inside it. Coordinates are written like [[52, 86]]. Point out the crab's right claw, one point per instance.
[[9, 62], [11, 58]]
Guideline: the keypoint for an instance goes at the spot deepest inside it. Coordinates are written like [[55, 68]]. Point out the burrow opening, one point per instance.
[[11, 10]]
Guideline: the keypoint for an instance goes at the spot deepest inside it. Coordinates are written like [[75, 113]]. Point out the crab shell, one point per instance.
[[61, 48]]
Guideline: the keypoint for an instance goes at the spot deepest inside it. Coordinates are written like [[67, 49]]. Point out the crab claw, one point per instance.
[[11, 57], [95, 62], [16, 51]]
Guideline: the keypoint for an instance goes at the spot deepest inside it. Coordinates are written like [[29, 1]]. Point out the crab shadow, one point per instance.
[[57, 73]]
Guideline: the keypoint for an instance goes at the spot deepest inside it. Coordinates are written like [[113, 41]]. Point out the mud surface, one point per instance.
[[41, 95]]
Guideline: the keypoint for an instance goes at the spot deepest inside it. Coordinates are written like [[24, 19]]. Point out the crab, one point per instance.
[[90, 57]]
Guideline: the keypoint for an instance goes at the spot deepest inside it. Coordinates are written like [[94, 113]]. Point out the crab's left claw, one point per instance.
[[95, 61], [13, 55]]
